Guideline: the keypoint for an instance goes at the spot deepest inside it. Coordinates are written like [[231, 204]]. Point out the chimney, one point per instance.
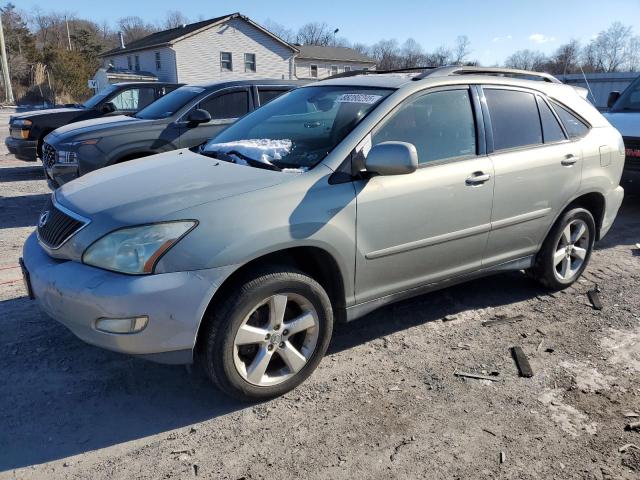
[[121, 36]]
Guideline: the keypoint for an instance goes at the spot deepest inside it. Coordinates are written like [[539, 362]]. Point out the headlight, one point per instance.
[[19, 123], [136, 250], [66, 158]]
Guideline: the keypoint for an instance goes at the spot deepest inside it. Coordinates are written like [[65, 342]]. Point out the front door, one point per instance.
[[224, 107], [432, 224]]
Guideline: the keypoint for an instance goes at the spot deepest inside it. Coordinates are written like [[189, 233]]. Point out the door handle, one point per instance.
[[569, 160], [477, 178], [312, 124]]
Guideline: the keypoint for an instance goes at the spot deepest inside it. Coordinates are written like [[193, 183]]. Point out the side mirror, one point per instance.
[[199, 116], [392, 158], [108, 107], [613, 98]]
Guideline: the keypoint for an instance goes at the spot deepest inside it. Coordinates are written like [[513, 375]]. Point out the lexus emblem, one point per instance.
[[44, 218]]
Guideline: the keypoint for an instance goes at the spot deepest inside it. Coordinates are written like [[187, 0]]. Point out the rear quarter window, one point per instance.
[[514, 118], [575, 127], [551, 129]]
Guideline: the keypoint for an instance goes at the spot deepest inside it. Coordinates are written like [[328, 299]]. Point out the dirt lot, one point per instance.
[[384, 403]]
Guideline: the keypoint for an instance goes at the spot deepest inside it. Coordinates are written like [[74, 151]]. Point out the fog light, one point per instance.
[[122, 325]]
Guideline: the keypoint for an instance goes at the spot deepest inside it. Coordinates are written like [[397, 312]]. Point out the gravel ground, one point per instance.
[[384, 403]]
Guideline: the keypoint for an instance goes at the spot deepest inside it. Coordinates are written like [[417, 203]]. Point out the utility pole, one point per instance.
[[5, 67], [68, 35]]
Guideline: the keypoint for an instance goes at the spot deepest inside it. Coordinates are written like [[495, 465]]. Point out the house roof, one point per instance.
[[166, 37], [316, 52]]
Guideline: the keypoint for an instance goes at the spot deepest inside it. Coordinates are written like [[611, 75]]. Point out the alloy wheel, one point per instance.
[[571, 250], [276, 339]]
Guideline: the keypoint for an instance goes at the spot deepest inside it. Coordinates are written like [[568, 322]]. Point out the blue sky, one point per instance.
[[495, 28]]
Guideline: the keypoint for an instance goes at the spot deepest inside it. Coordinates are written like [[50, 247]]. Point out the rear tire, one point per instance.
[[566, 251], [268, 335]]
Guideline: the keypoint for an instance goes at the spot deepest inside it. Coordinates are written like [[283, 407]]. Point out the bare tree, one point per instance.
[[279, 30], [412, 54], [526, 60], [566, 59], [174, 19], [134, 28], [315, 33], [461, 50], [440, 57], [387, 54], [608, 49]]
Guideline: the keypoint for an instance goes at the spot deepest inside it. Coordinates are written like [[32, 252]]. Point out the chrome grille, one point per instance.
[[48, 155], [55, 226]]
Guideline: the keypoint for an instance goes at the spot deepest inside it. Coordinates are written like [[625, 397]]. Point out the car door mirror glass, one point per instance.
[[392, 158], [108, 107], [613, 98], [199, 116]]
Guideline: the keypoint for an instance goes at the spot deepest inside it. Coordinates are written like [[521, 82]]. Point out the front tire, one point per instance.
[[566, 251], [268, 335]]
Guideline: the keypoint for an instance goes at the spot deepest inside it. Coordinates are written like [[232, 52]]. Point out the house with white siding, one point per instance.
[[230, 47]]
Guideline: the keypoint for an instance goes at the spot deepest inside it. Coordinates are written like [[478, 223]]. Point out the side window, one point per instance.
[[551, 129], [574, 126], [514, 118], [226, 62], [440, 125], [313, 70], [227, 105], [134, 99], [266, 95]]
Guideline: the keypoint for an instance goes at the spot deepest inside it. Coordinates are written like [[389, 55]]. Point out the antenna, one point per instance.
[[593, 99]]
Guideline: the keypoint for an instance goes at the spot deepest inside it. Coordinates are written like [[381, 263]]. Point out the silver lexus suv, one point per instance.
[[331, 201]]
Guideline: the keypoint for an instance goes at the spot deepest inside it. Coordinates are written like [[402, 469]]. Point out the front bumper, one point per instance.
[[77, 295], [59, 174], [22, 149], [613, 200]]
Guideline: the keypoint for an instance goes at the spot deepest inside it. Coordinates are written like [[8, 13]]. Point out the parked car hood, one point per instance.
[[152, 188], [49, 111], [94, 125], [627, 123]]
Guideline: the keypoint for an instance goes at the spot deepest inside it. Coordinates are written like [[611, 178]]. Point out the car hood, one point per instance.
[[95, 125], [63, 112], [627, 123], [153, 188]]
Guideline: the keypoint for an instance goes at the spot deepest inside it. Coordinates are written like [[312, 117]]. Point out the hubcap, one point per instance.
[[571, 250], [276, 340]]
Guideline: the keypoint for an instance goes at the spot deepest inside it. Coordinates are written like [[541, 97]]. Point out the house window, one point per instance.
[[129, 63], [313, 69], [226, 64], [346, 68], [158, 63], [334, 69], [249, 62], [137, 58]]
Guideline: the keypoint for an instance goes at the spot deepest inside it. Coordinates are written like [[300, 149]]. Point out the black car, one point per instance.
[[27, 130], [186, 117]]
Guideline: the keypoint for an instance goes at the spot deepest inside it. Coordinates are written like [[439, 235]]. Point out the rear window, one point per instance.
[[170, 103], [227, 105], [514, 118], [575, 127], [266, 95], [551, 129]]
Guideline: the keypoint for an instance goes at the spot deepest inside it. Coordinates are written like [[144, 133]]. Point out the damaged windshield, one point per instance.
[[297, 130]]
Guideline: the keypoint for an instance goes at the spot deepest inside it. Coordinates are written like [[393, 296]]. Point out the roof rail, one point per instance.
[[354, 73], [470, 70]]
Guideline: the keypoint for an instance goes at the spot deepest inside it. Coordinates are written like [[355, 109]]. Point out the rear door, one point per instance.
[[266, 93], [225, 107], [537, 170]]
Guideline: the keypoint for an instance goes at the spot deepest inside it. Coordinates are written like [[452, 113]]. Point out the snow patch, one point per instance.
[[587, 378], [624, 346], [260, 149], [568, 418]]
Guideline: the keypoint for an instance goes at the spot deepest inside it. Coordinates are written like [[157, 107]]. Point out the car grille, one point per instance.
[[632, 158], [48, 155], [55, 226]]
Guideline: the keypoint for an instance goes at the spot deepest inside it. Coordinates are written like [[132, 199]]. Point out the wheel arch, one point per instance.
[[594, 202], [315, 261]]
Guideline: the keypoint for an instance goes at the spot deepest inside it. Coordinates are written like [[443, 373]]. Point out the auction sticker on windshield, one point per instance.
[[358, 98]]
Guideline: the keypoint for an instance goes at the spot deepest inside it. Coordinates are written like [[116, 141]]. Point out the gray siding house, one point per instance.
[[230, 47]]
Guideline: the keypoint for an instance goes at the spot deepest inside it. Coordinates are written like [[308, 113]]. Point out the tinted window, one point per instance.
[[551, 129], [514, 118], [227, 105], [574, 126], [266, 95], [439, 124], [93, 101], [630, 98], [134, 99], [170, 103]]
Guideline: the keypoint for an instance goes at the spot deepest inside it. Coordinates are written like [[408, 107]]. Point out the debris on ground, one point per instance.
[[503, 457], [633, 427], [503, 320], [476, 376], [594, 298], [631, 415], [524, 367], [397, 448], [628, 446]]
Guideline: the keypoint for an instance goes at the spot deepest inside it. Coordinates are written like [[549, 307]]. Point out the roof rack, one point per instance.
[[503, 72], [354, 73]]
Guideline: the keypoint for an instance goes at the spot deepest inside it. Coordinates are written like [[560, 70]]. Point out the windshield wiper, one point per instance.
[[233, 155]]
